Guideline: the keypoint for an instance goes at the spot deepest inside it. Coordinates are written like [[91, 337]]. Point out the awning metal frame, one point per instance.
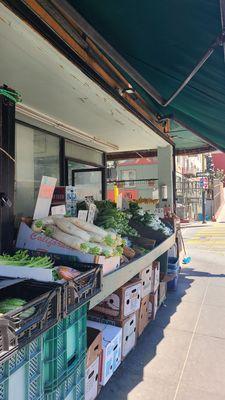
[[72, 15]]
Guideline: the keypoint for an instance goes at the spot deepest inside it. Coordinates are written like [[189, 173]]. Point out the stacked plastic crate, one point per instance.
[[21, 377], [64, 357]]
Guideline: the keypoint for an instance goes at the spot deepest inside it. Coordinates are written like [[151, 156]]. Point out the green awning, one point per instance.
[[163, 41]]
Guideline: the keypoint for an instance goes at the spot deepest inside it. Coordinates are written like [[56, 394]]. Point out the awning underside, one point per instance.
[[163, 41]]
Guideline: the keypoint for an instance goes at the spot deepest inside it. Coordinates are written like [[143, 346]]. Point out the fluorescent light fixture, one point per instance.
[[46, 119]]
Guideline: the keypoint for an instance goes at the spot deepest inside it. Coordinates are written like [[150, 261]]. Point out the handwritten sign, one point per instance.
[[44, 198]]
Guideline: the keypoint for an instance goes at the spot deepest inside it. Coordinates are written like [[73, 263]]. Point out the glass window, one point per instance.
[[82, 153], [88, 182], [128, 175], [37, 154]]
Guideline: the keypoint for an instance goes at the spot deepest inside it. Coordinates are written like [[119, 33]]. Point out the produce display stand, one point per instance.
[[117, 278]]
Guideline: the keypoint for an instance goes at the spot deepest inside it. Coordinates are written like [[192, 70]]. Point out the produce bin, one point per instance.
[[82, 288], [72, 388], [173, 261], [21, 375], [148, 232], [64, 347], [42, 310]]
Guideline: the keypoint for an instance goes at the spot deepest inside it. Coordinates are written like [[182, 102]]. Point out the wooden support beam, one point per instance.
[[7, 171]]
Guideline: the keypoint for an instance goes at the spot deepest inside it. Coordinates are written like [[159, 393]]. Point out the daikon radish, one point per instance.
[[91, 228], [67, 227], [96, 238], [71, 241]]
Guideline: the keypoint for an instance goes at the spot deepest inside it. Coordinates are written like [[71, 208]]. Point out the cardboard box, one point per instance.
[[153, 305], [143, 315], [146, 279], [129, 336], [27, 239], [111, 348], [92, 380], [123, 302], [94, 345], [155, 276], [129, 329], [162, 293]]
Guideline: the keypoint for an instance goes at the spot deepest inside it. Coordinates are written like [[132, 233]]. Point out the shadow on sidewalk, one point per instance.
[[130, 372]]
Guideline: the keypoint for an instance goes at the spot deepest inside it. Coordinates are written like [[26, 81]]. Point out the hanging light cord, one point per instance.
[[8, 155]]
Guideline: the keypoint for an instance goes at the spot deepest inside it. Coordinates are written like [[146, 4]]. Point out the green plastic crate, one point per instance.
[[73, 387], [21, 375], [64, 347]]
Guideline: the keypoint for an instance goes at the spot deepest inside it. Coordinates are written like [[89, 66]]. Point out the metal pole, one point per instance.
[[203, 207]]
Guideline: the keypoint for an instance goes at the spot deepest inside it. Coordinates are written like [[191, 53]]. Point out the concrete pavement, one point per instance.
[[181, 355]]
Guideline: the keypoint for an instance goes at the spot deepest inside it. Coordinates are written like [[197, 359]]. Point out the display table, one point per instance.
[[118, 278]]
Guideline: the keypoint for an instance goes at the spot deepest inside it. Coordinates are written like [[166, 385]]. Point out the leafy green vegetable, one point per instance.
[[112, 218], [22, 258], [48, 230], [10, 304], [39, 223], [118, 251], [84, 247], [95, 250], [106, 253], [109, 241]]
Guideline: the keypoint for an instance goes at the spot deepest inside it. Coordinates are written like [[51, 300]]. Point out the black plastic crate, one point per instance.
[[82, 288], [17, 329]]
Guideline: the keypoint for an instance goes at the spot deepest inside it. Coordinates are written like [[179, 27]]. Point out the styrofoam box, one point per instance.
[[146, 278], [129, 334], [39, 274], [91, 380], [111, 344]]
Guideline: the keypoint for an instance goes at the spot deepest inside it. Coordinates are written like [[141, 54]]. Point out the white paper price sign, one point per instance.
[[58, 210], [91, 213], [45, 195], [82, 215]]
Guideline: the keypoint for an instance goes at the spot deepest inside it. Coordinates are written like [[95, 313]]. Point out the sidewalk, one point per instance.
[[181, 355]]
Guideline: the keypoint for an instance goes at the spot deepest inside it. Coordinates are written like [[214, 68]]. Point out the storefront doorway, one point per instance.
[[88, 179]]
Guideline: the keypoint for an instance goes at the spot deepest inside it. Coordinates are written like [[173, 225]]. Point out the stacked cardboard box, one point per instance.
[[120, 309], [111, 349], [146, 283], [94, 354], [162, 293], [153, 299]]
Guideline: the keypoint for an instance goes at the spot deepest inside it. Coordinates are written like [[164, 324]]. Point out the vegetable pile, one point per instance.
[[81, 235], [148, 219], [109, 217], [22, 258]]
